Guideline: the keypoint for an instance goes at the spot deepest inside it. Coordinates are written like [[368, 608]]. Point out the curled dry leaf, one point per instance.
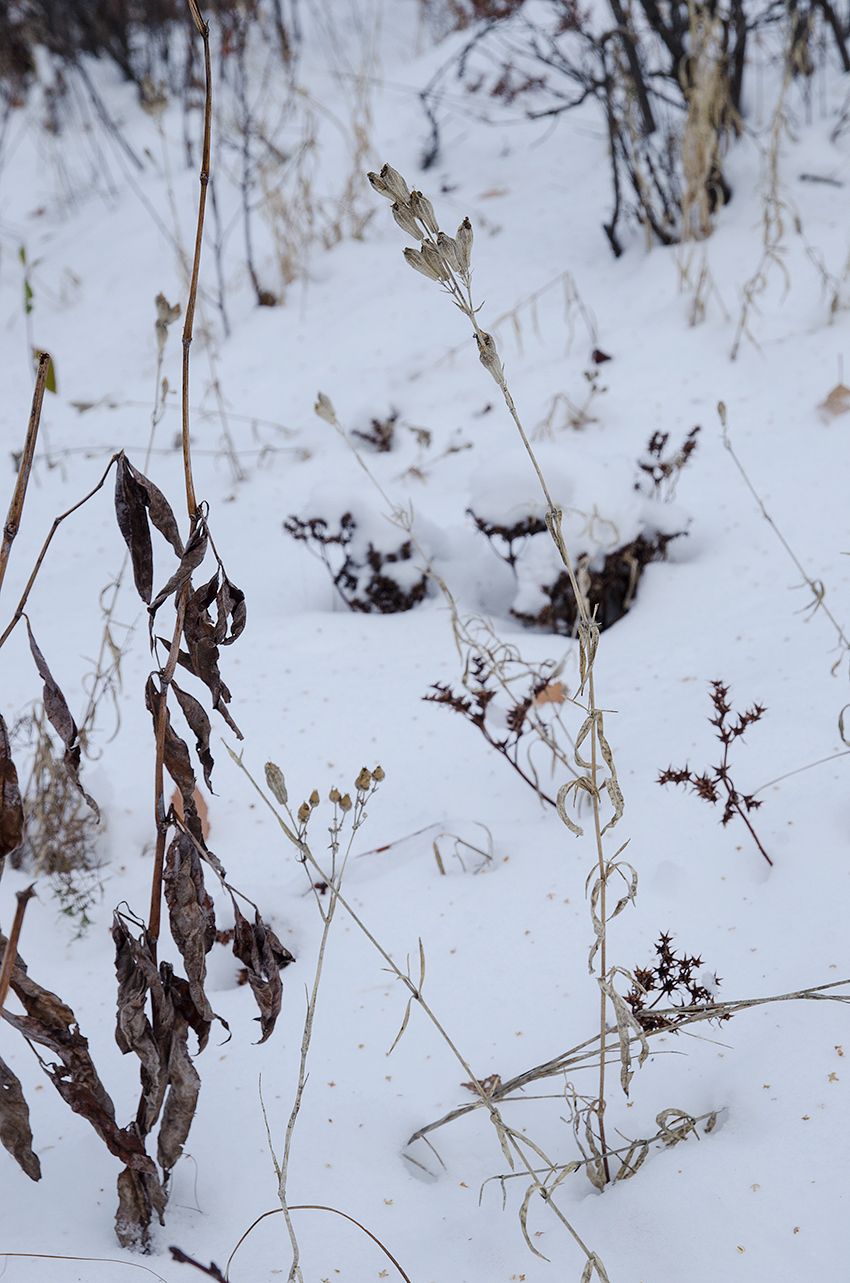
[[133, 523], [59, 716], [15, 1131], [193, 555], [50, 1023], [191, 914], [11, 807], [203, 638], [263, 956], [196, 716], [140, 1197]]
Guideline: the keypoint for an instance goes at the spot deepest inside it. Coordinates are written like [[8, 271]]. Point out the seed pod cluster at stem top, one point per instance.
[[439, 259]]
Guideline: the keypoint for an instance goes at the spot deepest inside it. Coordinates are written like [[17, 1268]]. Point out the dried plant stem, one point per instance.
[[18, 615], [204, 32], [16, 507], [10, 954], [316, 1207], [815, 584], [508, 1138]]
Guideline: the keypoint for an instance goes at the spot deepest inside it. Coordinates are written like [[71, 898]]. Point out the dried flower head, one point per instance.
[[364, 780], [463, 240], [345, 803], [424, 211], [334, 795], [314, 799], [275, 781], [415, 259], [394, 183], [404, 216], [378, 774], [488, 356], [324, 409], [379, 185], [303, 812], [448, 248]]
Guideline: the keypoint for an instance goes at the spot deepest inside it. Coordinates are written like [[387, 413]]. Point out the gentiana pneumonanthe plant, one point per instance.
[[447, 260]]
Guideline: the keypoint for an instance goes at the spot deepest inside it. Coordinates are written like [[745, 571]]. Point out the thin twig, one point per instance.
[[11, 953], [16, 507]]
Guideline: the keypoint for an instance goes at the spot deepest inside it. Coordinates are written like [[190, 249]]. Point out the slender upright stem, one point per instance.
[[204, 32], [16, 507], [11, 953]]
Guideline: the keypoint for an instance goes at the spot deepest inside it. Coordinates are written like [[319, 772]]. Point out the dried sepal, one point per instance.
[[404, 216], [488, 356], [424, 211], [379, 185], [434, 259], [463, 242], [324, 406], [395, 184], [276, 783], [415, 259], [448, 248]]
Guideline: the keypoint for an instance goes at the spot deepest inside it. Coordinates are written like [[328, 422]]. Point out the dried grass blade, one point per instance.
[[397, 1038], [523, 1218]]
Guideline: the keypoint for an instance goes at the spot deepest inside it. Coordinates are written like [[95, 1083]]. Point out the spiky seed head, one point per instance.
[[403, 215], [324, 408], [434, 259], [424, 210], [364, 780], [345, 803], [314, 799], [274, 779], [379, 185], [303, 813], [378, 774], [488, 356], [463, 239], [334, 795], [415, 259], [448, 248], [393, 180]]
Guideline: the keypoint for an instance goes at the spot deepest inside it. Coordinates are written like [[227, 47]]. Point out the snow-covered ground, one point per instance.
[[323, 691]]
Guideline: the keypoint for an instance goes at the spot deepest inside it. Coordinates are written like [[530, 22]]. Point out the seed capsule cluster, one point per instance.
[[442, 258]]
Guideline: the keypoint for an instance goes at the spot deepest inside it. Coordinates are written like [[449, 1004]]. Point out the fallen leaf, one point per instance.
[[838, 402]]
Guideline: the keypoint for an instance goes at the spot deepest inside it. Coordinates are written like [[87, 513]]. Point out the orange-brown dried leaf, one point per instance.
[[191, 914]]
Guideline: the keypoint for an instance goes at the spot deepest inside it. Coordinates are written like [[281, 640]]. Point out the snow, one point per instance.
[[322, 691]]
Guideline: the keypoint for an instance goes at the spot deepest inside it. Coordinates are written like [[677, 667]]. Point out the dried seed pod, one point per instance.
[[434, 259], [393, 180], [379, 185], [345, 803], [314, 799], [415, 259], [403, 215], [488, 356], [424, 210], [324, 409], [334, 795], [378, 774], [463, 240], [303, 813], [364, 780], [275, 781], [448, 248]]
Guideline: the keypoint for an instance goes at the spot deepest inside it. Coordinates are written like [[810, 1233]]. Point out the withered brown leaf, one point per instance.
[[184, 1082], [200, 636], [196, 716], [263, 956], [159, 509], [193, 555], [50, 1023], [230, 605], [140, 1196], [130, 512], [59, 716], [11, 807], [177, 761], [15, 1131], [191, 914]]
